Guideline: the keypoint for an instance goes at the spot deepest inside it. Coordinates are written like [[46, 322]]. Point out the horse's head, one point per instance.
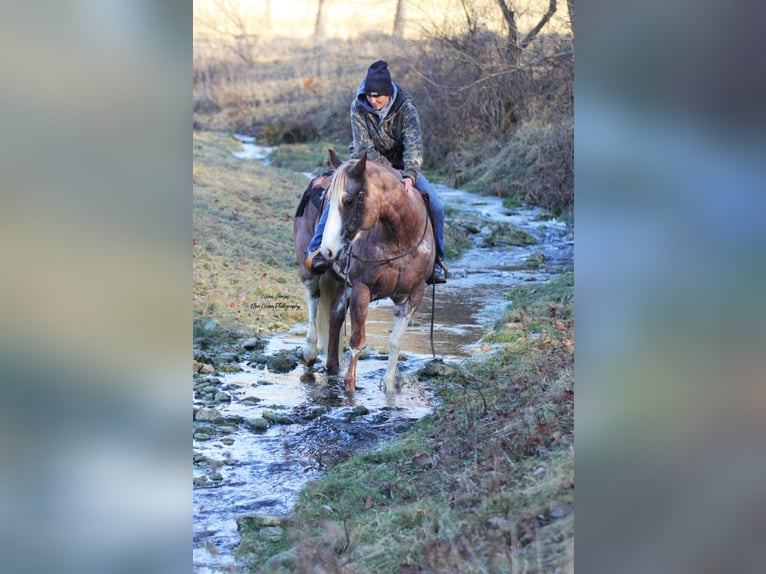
[[351, 208]]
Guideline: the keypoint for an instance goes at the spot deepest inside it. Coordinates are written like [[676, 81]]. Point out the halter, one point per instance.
[[353, 224]]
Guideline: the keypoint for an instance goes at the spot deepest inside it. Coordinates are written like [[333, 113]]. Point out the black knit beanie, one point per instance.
[[378, 80]]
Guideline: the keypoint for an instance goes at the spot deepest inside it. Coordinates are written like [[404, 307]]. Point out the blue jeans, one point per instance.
[[437, 210]]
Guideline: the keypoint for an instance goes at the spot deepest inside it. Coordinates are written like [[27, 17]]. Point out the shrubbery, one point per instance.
[[493, 125]]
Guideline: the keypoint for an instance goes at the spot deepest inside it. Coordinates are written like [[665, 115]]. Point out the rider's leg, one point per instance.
[[315, 261], [437, 212]]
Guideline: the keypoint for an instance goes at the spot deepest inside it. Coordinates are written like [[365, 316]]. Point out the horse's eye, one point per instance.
[[348, 202]]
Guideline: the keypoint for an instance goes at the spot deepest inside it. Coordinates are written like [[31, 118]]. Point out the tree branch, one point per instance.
[[487, 77], [510, 19], [543, 21]]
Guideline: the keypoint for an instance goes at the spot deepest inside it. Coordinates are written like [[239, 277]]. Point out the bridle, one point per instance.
[[350, 227]]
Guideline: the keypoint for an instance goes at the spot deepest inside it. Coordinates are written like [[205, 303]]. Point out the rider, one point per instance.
[[386, 125]]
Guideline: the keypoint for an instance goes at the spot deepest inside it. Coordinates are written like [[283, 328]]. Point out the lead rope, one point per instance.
[[433, 306]]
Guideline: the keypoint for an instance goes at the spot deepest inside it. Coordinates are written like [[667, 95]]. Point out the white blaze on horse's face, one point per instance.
[[332, 242]]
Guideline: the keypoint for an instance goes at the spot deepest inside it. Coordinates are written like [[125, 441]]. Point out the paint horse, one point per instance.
[[381, 242]]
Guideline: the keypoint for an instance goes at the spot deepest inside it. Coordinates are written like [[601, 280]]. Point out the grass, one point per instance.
[[307, 157], [535, 167], [242, 243], [542, 312], [485, 484]]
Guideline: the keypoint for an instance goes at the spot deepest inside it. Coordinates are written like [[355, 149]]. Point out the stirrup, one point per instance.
[[438, 277]]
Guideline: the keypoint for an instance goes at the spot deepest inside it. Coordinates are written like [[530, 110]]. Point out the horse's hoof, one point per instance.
[[307, 361], [394, 386]]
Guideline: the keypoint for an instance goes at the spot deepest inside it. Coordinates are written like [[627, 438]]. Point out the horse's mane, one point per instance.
[[338, 183]]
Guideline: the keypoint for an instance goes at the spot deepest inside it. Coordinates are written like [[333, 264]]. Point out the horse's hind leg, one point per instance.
[[402, 314], [309, 352]]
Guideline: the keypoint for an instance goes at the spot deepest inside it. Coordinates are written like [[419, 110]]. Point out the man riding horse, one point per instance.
[[386, 126]]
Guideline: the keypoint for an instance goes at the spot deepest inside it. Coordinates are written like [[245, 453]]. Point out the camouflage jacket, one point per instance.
[[396, 140]]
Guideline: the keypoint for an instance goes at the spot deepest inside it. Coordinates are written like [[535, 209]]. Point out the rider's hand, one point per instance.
[[407, 185]]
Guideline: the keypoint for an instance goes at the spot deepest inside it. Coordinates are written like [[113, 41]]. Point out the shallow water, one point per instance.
[[265, 472], [250, 150]]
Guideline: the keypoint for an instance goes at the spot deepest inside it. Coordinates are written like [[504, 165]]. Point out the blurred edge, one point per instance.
[[96, 297], [670, 277], [96, 286]]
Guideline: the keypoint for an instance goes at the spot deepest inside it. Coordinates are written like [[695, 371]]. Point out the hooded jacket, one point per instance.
[[391, 136]]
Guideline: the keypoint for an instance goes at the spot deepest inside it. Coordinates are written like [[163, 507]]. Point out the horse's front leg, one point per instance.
[[402, 314], [308, 353], [337, 316], [360, 302]]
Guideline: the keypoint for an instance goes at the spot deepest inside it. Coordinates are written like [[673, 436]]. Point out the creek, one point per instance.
[[243, 466]]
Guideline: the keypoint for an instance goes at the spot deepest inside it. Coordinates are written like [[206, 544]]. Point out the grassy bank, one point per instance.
[[485, 484], [242, 251]]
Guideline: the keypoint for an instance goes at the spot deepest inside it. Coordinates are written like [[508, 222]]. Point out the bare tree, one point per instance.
[[401, 14], [321, 26], [570, 7], [516, 45], [235, 25]]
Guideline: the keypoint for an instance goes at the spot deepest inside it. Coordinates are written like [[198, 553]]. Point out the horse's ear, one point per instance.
[[335, 161], [359, 168]]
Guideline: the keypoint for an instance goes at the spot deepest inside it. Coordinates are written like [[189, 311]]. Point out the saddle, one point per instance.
[[314, 192]]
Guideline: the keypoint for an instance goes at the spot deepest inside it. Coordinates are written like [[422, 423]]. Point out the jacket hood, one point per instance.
[[397, 98]]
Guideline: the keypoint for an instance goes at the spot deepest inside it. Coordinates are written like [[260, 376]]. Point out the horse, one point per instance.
[[380, 241]]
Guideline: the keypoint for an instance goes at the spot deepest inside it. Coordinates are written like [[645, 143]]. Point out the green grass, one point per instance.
[[308, 157], [542, 312], [485, 484]]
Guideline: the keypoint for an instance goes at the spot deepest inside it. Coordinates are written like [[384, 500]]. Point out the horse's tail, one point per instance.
[[328, 288]]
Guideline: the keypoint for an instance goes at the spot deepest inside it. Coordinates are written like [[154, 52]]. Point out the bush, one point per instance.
[[496, 128], [505, 129]]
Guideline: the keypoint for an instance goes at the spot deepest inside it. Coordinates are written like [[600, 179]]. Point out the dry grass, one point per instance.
[[242, 244], [292, 81]]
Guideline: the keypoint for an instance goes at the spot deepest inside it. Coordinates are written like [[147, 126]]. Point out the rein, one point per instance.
[[405, 254]]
